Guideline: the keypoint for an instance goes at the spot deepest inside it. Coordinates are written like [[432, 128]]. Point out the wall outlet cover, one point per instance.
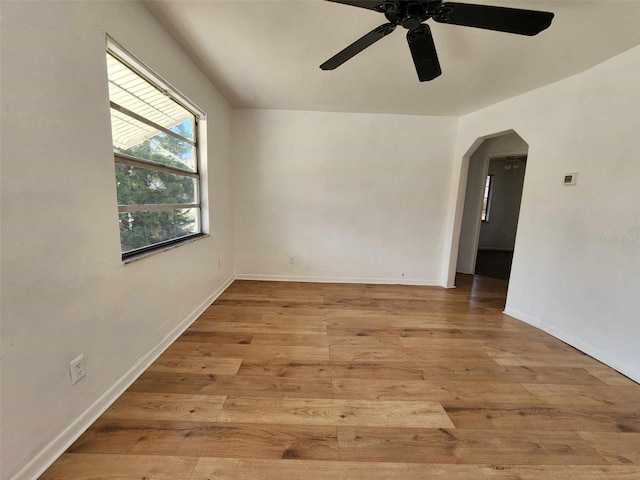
[[76, 368]]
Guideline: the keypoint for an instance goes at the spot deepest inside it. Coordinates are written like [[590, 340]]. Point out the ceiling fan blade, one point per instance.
[[370, 4], [359, 45], [424, 54], [510, 20]]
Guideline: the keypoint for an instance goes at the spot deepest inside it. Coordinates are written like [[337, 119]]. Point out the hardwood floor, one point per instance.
[[287, 381]]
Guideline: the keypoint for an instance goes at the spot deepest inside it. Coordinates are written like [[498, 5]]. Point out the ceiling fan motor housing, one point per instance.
[[409, 13]]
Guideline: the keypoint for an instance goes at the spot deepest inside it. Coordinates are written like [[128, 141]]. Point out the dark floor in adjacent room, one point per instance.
[[494, 263]]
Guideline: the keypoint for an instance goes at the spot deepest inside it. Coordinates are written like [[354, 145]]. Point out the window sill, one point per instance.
[[150, 253]]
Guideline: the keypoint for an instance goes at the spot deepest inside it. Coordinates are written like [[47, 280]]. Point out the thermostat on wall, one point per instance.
[[570, 178]]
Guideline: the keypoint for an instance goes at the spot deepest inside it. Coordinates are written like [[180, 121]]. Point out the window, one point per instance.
[[155, 145], [486, 200]]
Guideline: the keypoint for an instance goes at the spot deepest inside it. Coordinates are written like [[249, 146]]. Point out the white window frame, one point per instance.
[[487, 193], [199, 143]]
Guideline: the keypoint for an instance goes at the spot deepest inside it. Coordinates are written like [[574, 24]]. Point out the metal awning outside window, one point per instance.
[[133, 98]]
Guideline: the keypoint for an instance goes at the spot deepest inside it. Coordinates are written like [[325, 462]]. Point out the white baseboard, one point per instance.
[[521, 316], [624, 368], [58, 445], [312, 279]]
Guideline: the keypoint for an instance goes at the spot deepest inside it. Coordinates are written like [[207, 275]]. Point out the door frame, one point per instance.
[[478, 204]]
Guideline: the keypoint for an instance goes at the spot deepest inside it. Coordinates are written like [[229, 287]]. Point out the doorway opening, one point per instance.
[[493, 192], [499, 217]]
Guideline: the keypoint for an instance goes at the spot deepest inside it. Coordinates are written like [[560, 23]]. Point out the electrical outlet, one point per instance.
[[292, 260], [76, 367], [219, 262]]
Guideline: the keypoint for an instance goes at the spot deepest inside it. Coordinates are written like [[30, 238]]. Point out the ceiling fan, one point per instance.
[[412, 13]]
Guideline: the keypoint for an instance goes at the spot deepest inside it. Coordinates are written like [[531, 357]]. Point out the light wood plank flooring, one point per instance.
[[287, 381]]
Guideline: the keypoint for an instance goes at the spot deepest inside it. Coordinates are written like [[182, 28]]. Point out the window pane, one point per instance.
[[143, 186], [131, 91], [143, 229], [186, 129], [138, 139]]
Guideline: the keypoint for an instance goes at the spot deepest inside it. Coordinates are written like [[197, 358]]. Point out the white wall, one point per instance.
[[476, 175], [576, 270], [64, 287], [499, 233], [354, 197], [471, 220]]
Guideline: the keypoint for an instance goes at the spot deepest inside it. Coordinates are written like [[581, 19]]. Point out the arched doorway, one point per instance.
[[491, 183]]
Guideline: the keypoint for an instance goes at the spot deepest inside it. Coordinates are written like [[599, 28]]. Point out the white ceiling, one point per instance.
[[265, 54]]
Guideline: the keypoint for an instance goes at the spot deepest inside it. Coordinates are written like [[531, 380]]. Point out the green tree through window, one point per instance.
[[141, 186]]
